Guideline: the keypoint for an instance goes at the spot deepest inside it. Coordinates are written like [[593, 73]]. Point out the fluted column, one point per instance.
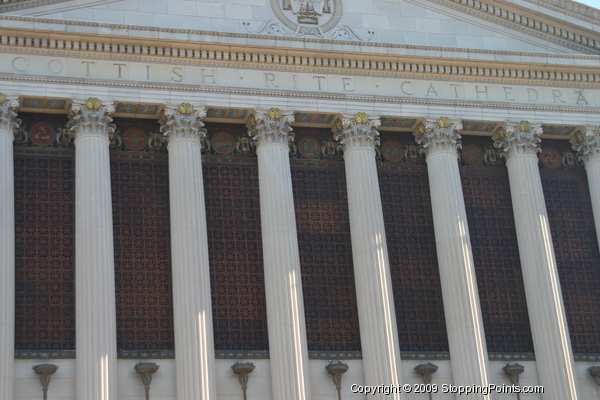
[[358, 137], [440, 141], [587, 144], [95, 315], [8, 123], [271, 132], [519, 144], [194, 344]]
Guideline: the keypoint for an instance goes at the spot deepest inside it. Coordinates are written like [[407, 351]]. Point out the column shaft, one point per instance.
[[547, 316], [549, 328], [464, 323], [283, 282], [378, 330], [593, 175], [96, 329], [192, 304], [7, 248], [376, 312]]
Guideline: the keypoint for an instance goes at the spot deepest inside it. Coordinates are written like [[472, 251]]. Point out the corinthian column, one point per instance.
[[358, 137], [440, 141], [587, 144], [194, 344], [519, 145], [271, 132], [8, 123], [95, 315]]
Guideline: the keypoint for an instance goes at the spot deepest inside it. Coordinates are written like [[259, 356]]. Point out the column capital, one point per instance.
[[272, 126], [439, 135], [357, 132], [586, 143], [518, 139], [91, 118], [8, 116], [183, 123]]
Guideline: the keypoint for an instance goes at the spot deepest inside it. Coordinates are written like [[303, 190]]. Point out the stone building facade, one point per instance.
[[302, 185]]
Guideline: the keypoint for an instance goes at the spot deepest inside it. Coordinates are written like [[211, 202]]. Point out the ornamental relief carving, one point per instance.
[[319, 18]]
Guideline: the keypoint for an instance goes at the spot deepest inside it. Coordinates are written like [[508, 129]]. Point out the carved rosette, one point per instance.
[[271, 127], [183, 124], [357, 133], [91, 119], [441, 135], [522, 139], [587, 145], [9, 122]]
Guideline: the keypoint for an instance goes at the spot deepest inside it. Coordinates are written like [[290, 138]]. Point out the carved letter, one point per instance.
[[347, 82], [55, 66], [432, 89], [402, 87], [580, 98], [455, 86], [87, 64], [177, 71], [22, 62], [120, 68], [484, 91], [531, 92], [148, 69], [556, 96], [213, 76], [295, 77], [318, 78], [270, 80], [508, 92]]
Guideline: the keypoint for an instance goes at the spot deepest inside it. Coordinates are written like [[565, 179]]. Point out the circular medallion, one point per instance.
[[550, 158], [309, 147], [223, 143], [135, 139], [392, 151], [472, 154], [42, 134], [308, 16]]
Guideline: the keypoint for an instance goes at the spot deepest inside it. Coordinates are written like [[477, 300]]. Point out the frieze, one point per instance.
[[319, 80]]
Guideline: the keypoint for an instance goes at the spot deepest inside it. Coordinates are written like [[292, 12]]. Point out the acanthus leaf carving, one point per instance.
[[183, 123], [357, 133], [271, 126], [441, 135], [522, 139], [91, 119], [9, 123], [587, 144]]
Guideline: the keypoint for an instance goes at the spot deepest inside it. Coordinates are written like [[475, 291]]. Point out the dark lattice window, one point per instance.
[[326, 258], [140, 193], [45, 253], [496, 256], [578, 260], [235, 249], [413, 258]]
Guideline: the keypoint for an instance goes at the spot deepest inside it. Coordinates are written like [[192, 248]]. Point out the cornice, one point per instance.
[[14, 5], [508, 106], [549, 30], [572, 8], [286, 59]]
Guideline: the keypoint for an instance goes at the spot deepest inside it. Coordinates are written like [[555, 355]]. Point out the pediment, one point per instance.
[[529, 26]]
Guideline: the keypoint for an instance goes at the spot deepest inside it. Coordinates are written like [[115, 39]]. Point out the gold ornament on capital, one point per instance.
[[524, 126], [1, 97], [274, 113], [444, 122], [186, 108], [361, 118], [93, 103]]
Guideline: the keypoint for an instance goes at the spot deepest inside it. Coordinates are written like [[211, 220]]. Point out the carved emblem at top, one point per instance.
[[305, 13]]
